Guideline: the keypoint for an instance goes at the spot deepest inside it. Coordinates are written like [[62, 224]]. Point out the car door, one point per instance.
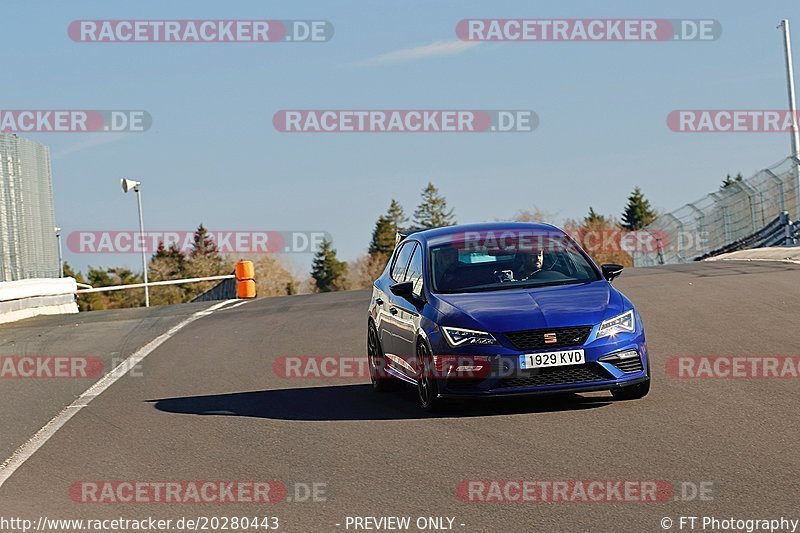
[[389, 320], [408, 314]]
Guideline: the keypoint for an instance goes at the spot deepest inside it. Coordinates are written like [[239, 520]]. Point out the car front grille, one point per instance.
[[564, 375], [629, 366], [544, 339]]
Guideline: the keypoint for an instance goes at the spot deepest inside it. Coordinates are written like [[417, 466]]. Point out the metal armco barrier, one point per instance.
[[224, 290], [780, 231], [240, 284]]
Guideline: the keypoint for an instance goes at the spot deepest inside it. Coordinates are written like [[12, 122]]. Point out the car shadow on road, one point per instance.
[[359, 402]]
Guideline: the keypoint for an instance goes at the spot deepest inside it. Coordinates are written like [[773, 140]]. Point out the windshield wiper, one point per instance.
[[518, 285], [551, 283]]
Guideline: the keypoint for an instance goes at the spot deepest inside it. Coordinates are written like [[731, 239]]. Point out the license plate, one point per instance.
[[541, 360]]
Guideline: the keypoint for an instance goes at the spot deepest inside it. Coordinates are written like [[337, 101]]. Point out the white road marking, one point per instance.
[[237, 304], [24, 452]]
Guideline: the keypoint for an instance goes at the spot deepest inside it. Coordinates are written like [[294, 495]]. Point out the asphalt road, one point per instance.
[[209, 406], [111, 336]]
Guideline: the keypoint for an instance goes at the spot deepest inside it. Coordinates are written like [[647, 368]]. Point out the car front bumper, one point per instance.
[[541, 391], [506, 378]]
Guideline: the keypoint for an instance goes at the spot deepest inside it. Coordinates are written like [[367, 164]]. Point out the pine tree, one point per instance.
[[432, 212], [728, 181], [203, 243], [126, 298], [173, 255], [383, 237], [69, 273], [593, 218], [386, 228], [204, 260], [165, 264], [81, 299], [638, 212], [397, 215], [328, 272], [98, 277]]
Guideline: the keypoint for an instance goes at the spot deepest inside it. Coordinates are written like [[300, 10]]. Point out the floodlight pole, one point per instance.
[[60, 255], [143, 242], [126, 184], [787, 45]]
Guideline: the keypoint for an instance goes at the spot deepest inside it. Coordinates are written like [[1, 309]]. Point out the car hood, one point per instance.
[[511, 310]]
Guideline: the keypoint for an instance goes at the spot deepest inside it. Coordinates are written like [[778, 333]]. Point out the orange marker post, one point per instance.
[[245, 283]]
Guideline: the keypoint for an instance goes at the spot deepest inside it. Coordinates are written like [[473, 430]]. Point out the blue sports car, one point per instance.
[[502, 309]]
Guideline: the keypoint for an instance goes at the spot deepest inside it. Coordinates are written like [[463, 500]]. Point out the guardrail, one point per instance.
[[780, 231], [224, 290], [27, 298], [152, 284], [240, 284], [31, 297], [244, 285], [740, 213]]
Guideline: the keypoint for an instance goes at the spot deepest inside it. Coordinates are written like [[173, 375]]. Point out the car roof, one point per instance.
[[444, 234]]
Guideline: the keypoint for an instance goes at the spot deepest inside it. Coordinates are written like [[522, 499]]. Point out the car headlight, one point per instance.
[[624, 323], [461, 337]]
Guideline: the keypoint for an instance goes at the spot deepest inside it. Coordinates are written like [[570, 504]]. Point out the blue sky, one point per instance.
[[213, 156]]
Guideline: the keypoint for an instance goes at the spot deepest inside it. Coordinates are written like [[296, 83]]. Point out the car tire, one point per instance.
[[634, 392], [427, 386], [381, 381]]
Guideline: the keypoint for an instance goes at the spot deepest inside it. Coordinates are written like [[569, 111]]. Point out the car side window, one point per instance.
[[414, 273], [401, 261]]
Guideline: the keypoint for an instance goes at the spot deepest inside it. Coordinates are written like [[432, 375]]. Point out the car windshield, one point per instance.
[[489, 261]]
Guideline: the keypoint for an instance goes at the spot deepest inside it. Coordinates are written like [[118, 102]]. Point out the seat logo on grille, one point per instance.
[[550, 338]]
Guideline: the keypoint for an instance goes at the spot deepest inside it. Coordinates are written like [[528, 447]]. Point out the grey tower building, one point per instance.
[[28, 246]]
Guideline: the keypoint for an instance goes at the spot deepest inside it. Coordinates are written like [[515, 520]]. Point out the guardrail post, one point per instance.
[[787, 228]]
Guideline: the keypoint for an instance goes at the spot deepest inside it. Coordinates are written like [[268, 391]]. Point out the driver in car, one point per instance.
[[532, 263], [446, 264]]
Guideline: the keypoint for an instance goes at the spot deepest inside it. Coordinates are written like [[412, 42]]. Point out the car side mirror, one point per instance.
[[611, 270], [404, 289]]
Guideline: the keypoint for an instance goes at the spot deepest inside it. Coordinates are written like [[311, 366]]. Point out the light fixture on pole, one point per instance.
[[60, 256], [126, 186]]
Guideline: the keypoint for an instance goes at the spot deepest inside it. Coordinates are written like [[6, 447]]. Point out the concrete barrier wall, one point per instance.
[[31, 297]]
